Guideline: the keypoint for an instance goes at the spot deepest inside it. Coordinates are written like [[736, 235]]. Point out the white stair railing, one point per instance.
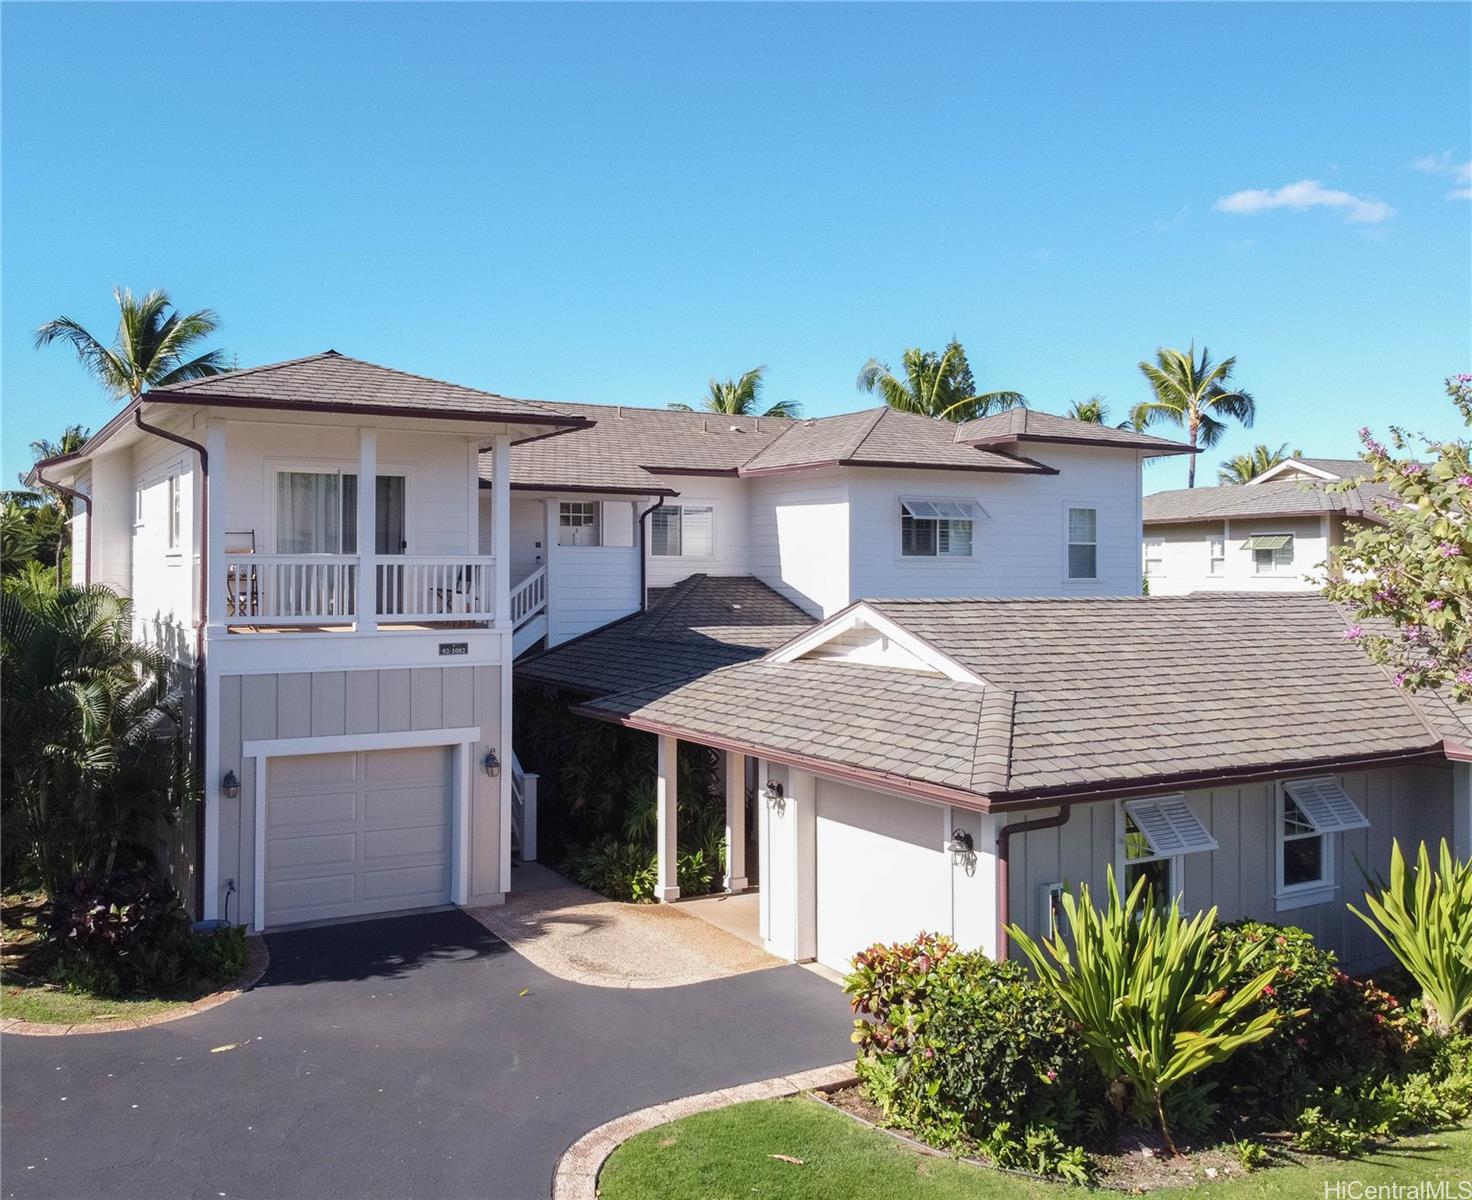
[[529, 597], [524, 810]]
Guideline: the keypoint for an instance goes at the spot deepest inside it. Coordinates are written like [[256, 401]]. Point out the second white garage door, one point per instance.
[[352, 834], [883, 874]]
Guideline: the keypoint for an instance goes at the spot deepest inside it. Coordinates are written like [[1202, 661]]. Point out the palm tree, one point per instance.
[[1249, 466], [935, 384], [1194, 394], [73, 438], [740, 398], [150, 347], [1094, 410]]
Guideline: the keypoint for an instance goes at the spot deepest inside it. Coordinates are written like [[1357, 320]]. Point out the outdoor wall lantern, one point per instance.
[[491, 763], [962, 848], [230, 786], [776, 800]]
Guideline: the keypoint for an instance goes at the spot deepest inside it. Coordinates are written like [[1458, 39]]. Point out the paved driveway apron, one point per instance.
[[392, 1058]]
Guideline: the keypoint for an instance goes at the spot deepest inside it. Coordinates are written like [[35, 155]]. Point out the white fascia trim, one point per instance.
[[862, 616], [1287, 464], [406, 739]]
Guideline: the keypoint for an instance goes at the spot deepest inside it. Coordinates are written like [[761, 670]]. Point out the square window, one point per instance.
[[1303, 861], [577, 523], [682, 530], [935, 529]]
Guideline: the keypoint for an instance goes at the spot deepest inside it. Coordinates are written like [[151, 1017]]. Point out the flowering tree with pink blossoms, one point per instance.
[[1410, 579]]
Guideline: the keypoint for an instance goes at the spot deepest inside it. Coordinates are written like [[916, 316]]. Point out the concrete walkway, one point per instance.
[[585, 938]]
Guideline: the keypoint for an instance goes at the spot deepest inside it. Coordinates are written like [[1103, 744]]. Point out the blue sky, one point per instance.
[[612, 203]]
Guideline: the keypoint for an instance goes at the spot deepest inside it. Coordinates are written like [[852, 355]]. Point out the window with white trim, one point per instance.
[[175, 516], [1154, 556], [1216, 550], [936, 528], [1083, 543], [682, 531], [138, 505], [1309, 811], [577, 523], [1153, 837], [1272, 553]]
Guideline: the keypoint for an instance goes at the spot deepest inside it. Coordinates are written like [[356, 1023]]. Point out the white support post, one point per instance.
[[501, 526], [1462, 810], [735, 822], [472, 532], [551, 514], [802, 791], [667, 886], [367, 590], [213, 545], [983, 880]]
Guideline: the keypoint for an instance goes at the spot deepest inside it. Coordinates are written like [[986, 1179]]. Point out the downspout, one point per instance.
[[1004, 849], [643, 555], [75, 497], [199, 624]]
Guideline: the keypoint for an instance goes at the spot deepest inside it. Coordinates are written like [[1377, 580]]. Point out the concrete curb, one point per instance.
[[256, 961], [576, 1177]]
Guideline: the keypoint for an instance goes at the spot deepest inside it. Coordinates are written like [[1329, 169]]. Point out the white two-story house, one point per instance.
[[1271, 534], [346, 645]]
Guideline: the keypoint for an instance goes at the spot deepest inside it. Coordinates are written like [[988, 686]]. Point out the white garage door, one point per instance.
[[883, 874], [349, 834]]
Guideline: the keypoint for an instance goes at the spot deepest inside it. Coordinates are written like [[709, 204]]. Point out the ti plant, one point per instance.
[[1426, 920], [1148, 989]]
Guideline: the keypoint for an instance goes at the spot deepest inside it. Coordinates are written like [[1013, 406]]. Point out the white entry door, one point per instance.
[[883, 873], [357, 833]]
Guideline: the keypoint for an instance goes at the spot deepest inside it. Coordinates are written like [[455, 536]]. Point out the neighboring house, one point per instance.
[[952, 764], [825, 510], [1271, 534], [349, 645]]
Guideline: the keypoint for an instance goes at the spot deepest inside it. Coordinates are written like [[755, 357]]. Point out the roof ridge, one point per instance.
[[237, 372], [879, 414], [679, 593], [363, 362]]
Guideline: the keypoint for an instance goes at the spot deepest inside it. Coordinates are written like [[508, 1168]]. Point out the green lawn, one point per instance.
[[45, 1003], [725, 1154]]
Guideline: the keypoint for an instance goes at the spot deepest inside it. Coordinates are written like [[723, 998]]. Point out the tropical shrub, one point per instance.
[[965, 1051], [618, 870], [1426, 920], [1148, 989], [1332, 1029], [121, 933]]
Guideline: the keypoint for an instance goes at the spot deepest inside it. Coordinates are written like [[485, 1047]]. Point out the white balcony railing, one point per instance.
[[290, 589], [322, 589], [427, 589]]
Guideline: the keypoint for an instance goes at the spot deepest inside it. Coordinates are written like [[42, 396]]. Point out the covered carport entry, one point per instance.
[[360, 825]]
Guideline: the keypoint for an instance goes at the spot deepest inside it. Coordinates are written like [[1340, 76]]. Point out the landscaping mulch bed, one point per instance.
[[1132, 1160]]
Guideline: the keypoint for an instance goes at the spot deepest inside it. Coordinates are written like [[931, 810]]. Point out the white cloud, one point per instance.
[[1444, 164], [1305, 194]]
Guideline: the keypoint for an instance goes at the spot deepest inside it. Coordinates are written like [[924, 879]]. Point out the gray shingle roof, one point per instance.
[[690, 629], [334, 381], [1079, 696], [1029, 425], [1344, 468], [1290, 498]]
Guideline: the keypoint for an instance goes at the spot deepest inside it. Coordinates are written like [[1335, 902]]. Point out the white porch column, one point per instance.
[[472, 533], [1462, 810], [501, 525], [667, 885], [367, 606], [735, 822], [789, 882], [213, 548]]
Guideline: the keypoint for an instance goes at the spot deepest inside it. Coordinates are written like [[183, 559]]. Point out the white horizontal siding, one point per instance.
[[589, 586], [727, 497], [1185, 553], [799, 538]]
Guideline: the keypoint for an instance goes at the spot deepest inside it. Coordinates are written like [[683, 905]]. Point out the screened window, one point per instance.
[[1083, 543], [936, 528], [682, 531], [577, 523], [1216, 549], [1272, 554], [175, 519], [1311, 810]]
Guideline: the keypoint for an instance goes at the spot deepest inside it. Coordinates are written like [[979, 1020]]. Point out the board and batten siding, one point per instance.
[[310, 704], [1409, 803]]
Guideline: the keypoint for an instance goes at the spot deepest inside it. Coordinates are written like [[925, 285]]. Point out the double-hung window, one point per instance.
[[682, 531], [1272, 553], [1216, 551], [1309, 812], [1154, 556], [577, 523], [1083, 543], [936, 528], [175, 516], [1152, 838]]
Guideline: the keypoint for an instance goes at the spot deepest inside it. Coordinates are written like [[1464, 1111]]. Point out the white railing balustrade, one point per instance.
[[529, 597], [422, 588], [290, 589]]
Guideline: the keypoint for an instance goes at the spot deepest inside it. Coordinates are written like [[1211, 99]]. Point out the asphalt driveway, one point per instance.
[[392, 1058]]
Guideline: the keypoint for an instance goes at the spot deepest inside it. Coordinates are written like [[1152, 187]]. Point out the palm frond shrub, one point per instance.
[[1425, 918], [1149, 991]]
